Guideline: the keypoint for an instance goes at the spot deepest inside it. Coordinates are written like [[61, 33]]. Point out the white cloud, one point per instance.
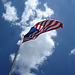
[[47, 13], [32, 5], [29, 11], [72, 52], [33, 13], [12, 56], [32, 53], [11, 12]]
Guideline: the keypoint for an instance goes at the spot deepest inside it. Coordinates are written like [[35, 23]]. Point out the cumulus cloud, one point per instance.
[[72, 52], [31, 11], [34, 52], [47, 13], [11, 12], [12, 56]]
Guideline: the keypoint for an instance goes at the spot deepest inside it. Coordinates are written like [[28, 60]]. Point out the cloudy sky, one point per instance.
[[51, 53]]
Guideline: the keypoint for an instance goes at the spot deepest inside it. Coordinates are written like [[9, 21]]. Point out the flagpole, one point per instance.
[[12, 65]]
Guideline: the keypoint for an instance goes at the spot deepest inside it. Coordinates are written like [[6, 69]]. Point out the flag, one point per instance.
[[41, 27]]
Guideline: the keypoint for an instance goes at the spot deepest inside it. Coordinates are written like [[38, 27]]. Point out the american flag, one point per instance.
[[41, 27]]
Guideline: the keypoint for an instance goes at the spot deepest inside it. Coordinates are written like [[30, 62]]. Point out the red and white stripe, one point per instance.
[[46, 23], [44, 26]]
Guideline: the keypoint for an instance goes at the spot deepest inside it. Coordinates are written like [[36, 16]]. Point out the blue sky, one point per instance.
[[55, 55]]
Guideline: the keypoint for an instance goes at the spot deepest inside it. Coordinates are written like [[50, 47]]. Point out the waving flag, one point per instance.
[[41, 27]]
